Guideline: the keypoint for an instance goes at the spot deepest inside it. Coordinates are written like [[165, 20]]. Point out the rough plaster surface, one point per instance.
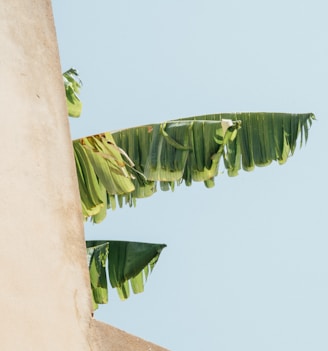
[[45, 290], [44, 299], [107, 338]]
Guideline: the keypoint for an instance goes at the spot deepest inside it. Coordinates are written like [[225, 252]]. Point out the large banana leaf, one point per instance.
[[182, 150], [129, 264]]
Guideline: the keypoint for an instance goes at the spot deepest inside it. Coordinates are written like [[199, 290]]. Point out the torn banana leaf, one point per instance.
[[182, 150], [129, 265]]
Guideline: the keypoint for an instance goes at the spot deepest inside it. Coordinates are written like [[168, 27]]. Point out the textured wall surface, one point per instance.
[[45, 294], [44, 297], [107, 338]]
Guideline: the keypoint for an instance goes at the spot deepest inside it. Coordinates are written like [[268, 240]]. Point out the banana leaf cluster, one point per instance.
[[118, 168]]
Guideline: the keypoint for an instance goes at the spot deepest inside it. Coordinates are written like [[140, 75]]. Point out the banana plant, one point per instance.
[[117, 168]]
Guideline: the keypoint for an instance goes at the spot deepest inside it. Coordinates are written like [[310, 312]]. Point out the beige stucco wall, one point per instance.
[[44, 295], [107, 338], [45, 300]]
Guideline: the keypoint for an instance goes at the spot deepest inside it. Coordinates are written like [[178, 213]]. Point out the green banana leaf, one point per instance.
[[128, 264], [182, 150], [72, 85]]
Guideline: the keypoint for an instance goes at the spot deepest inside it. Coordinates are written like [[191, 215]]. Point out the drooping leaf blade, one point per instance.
[[97, 257], [102, 174], [129, 264], [190, 149]]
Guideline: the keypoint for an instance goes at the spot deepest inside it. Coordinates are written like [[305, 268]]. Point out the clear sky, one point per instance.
[[246, 267]]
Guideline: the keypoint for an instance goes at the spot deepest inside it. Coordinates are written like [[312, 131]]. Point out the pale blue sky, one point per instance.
[[246, 267]]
